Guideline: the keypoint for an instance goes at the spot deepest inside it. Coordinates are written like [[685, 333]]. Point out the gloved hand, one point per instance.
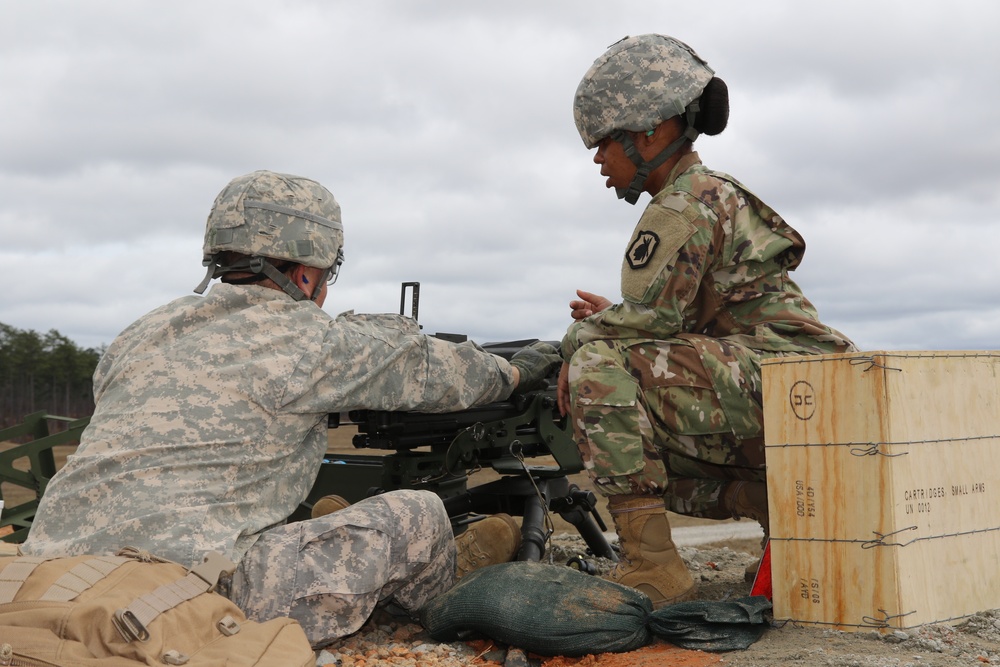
[[535, 362]]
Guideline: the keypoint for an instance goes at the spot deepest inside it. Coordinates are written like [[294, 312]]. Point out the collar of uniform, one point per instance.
[[249, 293], [685, 163]]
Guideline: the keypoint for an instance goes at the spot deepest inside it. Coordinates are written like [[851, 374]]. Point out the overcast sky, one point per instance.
[[445, 131]]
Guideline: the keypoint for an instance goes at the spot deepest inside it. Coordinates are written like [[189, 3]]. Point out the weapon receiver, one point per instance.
[[441, 452]]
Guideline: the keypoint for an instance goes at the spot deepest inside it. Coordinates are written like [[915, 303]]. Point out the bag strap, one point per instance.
[[131, 622], [81, 578], [67, 587], [15, 574]]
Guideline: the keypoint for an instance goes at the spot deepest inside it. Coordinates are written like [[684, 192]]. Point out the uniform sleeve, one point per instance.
[[662, 270], [382, 362]]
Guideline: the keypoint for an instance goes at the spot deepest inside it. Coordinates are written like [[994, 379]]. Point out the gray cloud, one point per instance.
[[445, 131]]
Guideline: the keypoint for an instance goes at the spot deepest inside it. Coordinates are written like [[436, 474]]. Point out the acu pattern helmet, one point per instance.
[[267, 215], [638, 83]]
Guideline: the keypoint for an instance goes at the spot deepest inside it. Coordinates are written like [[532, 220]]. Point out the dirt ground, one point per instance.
[[719, 570]]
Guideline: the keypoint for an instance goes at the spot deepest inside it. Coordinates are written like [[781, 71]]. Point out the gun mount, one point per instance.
[[442, 452]]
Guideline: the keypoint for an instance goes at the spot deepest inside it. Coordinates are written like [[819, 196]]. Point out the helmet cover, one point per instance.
[[266, 214], [638, 83]]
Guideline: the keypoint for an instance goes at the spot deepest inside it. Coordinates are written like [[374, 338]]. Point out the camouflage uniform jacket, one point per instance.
[[708, 257], [211, 418]]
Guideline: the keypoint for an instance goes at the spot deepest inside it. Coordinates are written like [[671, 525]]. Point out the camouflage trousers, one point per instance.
[[680, 418], [330, 573]]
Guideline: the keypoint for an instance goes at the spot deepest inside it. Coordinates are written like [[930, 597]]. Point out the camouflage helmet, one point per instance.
[[637, 84], [265, 214]]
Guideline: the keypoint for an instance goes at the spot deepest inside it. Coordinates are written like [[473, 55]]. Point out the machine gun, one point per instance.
[[441, 452]]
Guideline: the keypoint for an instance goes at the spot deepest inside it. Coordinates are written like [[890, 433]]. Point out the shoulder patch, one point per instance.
[[653, 249], [643, 247]]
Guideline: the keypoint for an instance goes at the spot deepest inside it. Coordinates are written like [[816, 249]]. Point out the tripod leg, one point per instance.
[[590, 532], [532, 529]]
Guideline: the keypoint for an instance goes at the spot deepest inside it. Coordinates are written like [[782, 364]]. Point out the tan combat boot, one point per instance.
[[489, 541], [328, 505], [649, 560], [748, 500]]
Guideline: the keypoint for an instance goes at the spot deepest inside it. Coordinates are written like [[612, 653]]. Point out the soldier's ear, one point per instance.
[[300, 276], [664, 133]]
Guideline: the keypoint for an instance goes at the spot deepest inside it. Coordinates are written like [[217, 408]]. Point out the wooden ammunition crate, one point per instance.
[[883, 473]]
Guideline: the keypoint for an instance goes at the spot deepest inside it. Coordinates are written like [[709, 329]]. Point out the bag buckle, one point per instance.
[[228, 626], [129, 626], [212, 567], [174, 658]]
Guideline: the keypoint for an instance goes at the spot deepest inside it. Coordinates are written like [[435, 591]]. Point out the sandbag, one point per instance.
[[540, 608], [707, 625], [126, 611], [552, 610]]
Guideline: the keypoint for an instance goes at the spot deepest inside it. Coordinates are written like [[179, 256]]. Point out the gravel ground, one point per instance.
[[397, 642]]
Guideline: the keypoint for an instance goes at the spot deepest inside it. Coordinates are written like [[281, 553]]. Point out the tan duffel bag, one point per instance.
[[133, 609]]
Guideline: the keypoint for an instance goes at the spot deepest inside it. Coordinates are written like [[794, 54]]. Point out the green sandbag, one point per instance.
[[541, 608], [552, 610], [711, 626]]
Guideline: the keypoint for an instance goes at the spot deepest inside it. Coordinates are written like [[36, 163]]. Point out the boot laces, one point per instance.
[[470, 548]]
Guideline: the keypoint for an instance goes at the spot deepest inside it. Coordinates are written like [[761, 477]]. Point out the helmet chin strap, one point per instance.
[[280, 279], [644, 168], [257, 265], [323, 277]]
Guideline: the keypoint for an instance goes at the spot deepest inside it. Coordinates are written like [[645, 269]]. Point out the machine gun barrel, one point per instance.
[[440, 451]]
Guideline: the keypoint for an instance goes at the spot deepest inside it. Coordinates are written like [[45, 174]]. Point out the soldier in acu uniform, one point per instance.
[[211, 424], [664, 387]]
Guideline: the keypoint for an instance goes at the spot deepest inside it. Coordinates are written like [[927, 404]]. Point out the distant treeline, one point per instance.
[[44, 372]]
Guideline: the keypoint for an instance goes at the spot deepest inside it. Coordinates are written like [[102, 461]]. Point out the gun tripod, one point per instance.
[[530, 492]]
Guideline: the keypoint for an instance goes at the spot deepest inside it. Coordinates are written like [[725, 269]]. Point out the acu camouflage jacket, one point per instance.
[[708, 257], [211, 418]]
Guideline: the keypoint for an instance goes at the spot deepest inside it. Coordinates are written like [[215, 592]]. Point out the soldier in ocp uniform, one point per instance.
[[211, 424], [663, 388]]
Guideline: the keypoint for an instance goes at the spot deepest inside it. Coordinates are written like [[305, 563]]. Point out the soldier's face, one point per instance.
[[614, 163]]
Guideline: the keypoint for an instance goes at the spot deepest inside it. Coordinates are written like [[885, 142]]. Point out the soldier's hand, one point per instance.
[[534, 363], [587, 305]]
